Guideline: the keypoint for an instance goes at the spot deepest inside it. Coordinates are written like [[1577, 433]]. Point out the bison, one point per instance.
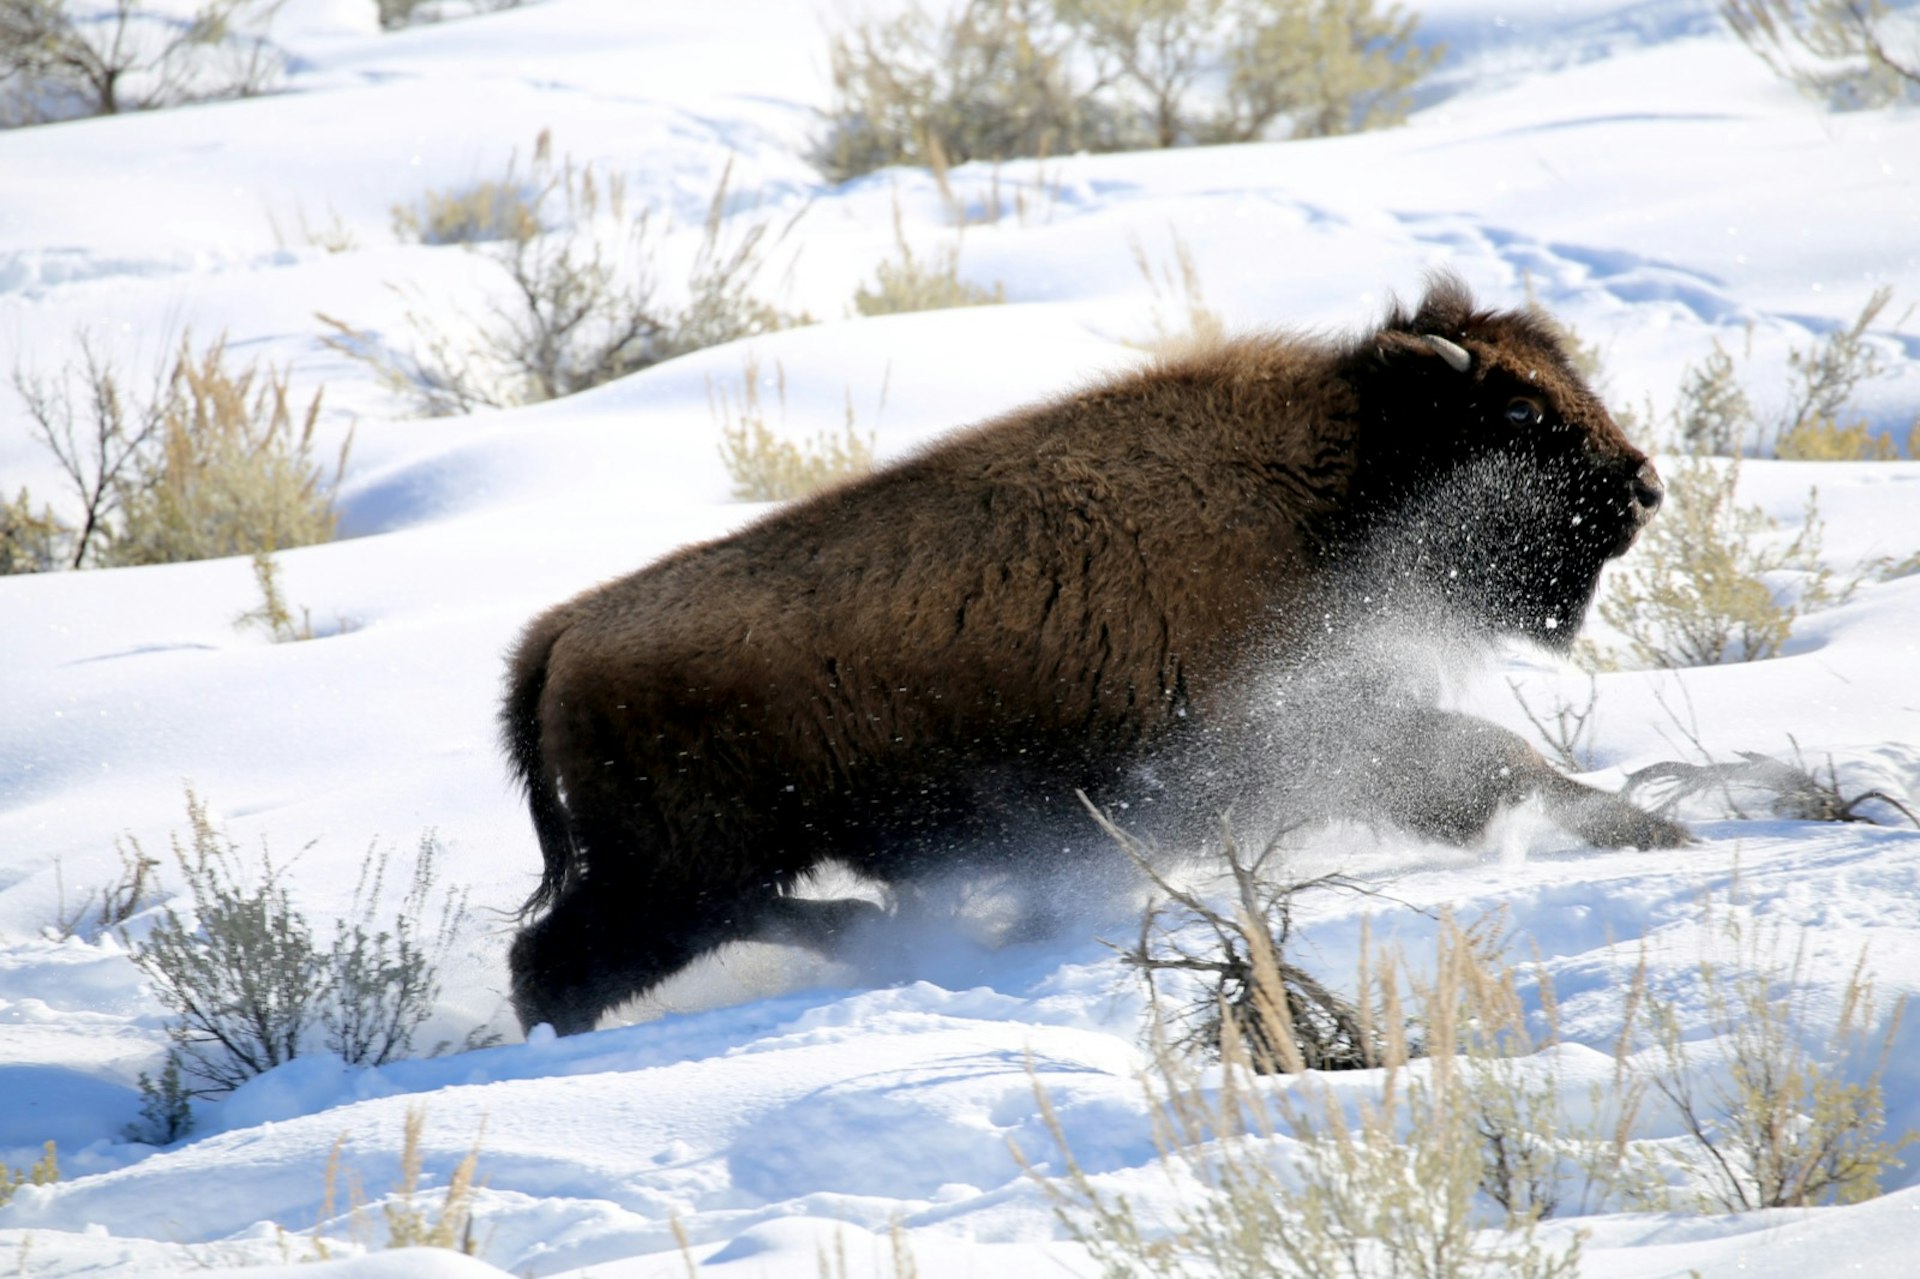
[[915, 672]]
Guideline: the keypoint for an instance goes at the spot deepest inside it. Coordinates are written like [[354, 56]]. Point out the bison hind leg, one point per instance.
[[822, 925], [602, 944]]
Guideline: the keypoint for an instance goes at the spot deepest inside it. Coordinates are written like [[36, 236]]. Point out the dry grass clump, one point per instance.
[[213, 460], [60, 59], [44, 1172], [231, 472], [579, 307], [491, 209], [1846, 52], [910, 283], [1000, 79], [410, 1222], [1182, 320], [767, 468]]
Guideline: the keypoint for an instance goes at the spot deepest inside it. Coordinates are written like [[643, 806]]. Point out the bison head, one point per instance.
[[1488, 473]]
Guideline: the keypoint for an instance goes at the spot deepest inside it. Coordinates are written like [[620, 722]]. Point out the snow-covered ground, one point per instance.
[[1626, 159]]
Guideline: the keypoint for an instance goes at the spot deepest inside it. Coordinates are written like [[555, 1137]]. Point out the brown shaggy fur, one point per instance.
[[917, 670]]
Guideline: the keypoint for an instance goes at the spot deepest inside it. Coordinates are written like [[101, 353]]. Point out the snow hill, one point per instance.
[[1627, 160]]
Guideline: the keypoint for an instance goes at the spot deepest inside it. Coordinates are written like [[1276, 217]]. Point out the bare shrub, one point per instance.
[[579, 308], [1847, 52], [1239, 965], [65, 58], [43, 1172], [1771, 1116], [97, 433], [250, 986], [767, 468]]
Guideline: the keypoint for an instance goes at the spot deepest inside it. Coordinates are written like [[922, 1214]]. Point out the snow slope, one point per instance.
[[1627, 160]]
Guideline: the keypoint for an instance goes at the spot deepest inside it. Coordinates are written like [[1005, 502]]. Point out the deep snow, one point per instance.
[[1647, 176]]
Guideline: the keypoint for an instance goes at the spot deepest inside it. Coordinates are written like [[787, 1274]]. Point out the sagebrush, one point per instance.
[[1782, 1107], [60, 59], [1709, 582], [1001, 79], [1850, 53], [249, 983], [580, 304]]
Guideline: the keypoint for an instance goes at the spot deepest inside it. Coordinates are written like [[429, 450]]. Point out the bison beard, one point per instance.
[[915, 673]]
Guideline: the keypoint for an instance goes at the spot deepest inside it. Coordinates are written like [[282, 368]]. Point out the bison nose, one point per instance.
[[1647, 491]]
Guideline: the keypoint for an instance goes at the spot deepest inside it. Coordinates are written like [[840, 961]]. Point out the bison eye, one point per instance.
[[1523, 412]]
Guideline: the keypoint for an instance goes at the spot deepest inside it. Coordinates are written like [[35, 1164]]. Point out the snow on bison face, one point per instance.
[[1491, 474]]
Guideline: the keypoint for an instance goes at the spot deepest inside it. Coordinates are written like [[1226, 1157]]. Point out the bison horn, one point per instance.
[[1452, 352]]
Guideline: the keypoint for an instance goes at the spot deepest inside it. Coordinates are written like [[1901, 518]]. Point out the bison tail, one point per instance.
[[520, 731]]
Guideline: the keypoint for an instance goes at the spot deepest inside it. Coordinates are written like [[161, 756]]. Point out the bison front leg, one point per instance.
[[1448, 774]]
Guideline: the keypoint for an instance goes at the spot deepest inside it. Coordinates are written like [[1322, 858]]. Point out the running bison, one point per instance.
[[915, 672]]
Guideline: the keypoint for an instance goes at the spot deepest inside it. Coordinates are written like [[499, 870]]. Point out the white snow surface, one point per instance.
[[1657, 187]]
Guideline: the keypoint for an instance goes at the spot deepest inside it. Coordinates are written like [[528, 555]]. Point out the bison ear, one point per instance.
[[1395, 346]]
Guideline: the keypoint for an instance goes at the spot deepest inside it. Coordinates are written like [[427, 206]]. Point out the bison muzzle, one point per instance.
[[915, 672]]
